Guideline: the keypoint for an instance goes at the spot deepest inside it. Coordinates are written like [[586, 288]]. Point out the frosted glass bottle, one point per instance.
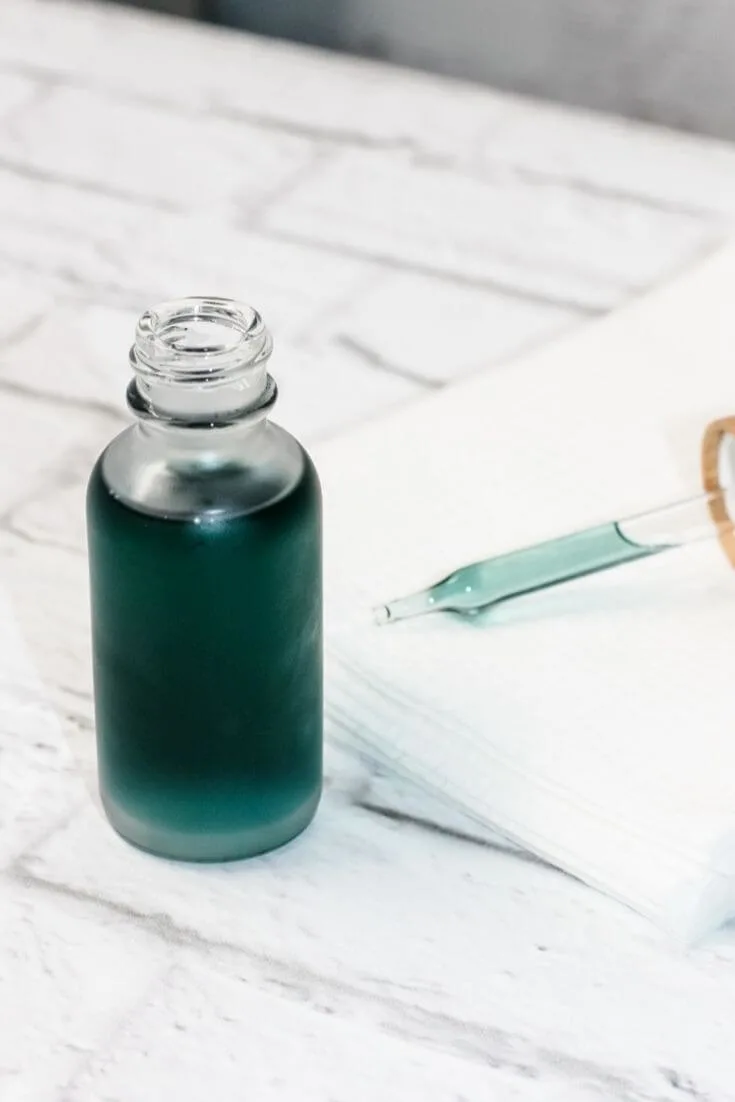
[[204, 534]]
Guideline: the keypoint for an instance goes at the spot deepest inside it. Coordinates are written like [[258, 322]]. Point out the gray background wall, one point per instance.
[[669, 61], [190, 8]]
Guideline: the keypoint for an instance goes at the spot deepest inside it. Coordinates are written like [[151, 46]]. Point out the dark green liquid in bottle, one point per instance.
[[207, 640]]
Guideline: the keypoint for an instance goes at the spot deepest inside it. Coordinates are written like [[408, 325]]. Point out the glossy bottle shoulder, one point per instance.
[[193, 473]]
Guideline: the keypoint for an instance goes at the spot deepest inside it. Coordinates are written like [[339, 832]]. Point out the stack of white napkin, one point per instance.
[[593, 723]]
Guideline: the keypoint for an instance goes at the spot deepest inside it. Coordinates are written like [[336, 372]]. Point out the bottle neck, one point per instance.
[[183, 447], [240, 435]]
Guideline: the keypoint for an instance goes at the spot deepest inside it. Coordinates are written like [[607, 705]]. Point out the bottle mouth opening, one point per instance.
[[199, 341]]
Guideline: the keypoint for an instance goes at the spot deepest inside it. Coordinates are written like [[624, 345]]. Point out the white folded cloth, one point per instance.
[[593, 723]]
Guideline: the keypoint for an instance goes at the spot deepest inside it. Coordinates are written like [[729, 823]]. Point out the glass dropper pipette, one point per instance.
[[485, 583]]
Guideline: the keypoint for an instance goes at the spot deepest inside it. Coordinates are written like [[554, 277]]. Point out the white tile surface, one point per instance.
[[168, 157], [546, 241], [101, 244], [368, 212], [440, 330], [15, 91], [450, 943], [68, 978], [48, 589], [269, 1048], [39, 785], [62, 438]]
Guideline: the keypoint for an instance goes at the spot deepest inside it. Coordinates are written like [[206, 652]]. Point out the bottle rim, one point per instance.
[[200, 341]]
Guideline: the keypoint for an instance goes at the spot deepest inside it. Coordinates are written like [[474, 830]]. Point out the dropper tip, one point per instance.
[[381, 614]]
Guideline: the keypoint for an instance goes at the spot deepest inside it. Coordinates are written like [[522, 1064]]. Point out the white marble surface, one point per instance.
[[397, 231]]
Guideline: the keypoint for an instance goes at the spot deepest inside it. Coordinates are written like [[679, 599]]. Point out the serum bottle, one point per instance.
[[204, 535]]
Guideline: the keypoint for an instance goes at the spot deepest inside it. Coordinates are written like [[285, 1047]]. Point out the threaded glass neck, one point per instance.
[[200, 360]]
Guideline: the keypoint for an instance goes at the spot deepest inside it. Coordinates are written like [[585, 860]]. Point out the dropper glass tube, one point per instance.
[[482, 584]]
